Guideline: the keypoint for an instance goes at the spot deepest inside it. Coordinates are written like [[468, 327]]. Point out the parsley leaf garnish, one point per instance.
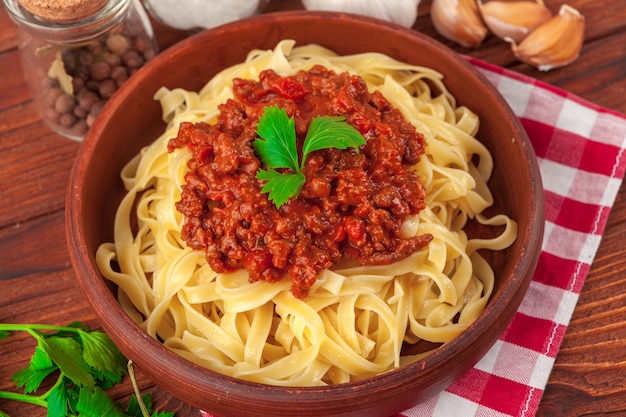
[[277, 147], [85, 363], [281, 186], [277, 141]]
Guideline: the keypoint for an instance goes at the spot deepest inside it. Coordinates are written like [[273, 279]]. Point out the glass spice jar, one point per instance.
[[74, 62]]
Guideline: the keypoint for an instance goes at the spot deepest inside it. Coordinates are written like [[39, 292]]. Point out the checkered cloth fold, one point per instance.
[[580, 148], [581, 152]]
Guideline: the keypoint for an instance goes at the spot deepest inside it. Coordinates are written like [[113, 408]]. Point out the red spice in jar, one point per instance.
[[352, 204]]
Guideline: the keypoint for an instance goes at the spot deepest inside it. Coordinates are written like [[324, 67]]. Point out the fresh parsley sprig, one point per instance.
[[86, 364], [277, 147]]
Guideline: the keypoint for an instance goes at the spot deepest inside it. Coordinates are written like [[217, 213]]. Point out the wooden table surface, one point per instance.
[[37, 283]]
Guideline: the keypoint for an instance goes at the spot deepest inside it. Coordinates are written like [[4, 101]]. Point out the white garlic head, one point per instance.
[[401, 12], [201, 14]]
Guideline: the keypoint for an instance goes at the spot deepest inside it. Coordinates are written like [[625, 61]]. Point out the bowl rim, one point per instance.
[[93, 285]]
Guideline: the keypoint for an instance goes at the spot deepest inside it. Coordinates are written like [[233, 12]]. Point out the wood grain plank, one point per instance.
[[38, 285], [43, 235], [8, 34], [35, 170], [18, 116], [13, 88], [603, 18]]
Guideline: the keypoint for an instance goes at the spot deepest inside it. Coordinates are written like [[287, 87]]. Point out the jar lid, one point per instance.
[[63, 10]]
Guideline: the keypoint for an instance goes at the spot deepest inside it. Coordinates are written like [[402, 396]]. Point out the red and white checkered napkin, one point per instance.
[[581, 152]]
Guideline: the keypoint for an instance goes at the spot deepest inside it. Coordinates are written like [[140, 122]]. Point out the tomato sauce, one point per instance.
[[352, 204]]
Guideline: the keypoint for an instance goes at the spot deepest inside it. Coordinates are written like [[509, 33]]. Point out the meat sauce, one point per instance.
[[352, 205]]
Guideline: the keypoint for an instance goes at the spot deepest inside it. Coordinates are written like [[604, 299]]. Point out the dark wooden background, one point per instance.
[[37, 283]]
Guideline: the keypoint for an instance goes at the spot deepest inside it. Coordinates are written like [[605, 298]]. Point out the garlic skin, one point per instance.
[[401, 12], [459, 21], [555, 43], [513, 19]]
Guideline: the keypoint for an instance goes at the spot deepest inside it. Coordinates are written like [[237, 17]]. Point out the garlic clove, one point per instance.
[[458, 21], [514, 19], [555, 43]]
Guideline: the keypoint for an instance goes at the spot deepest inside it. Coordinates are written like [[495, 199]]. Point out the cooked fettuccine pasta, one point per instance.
[[355, 318]]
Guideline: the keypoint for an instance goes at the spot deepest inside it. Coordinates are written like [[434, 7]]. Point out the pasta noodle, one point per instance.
[[356, 318]]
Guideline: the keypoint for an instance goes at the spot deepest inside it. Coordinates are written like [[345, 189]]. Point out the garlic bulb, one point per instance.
[[513, 19], [458, 21], [555, 43], [401, 12], [201, 14]]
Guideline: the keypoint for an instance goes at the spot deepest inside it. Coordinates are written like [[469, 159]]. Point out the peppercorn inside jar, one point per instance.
[[75, 58]]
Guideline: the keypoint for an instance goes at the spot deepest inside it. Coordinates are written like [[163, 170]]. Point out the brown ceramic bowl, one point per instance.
[[132, 119]]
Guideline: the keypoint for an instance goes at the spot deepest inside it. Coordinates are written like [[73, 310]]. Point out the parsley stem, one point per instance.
[[133, 380], [60, 381], [25, 398], [40, 400], [31, 327]]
